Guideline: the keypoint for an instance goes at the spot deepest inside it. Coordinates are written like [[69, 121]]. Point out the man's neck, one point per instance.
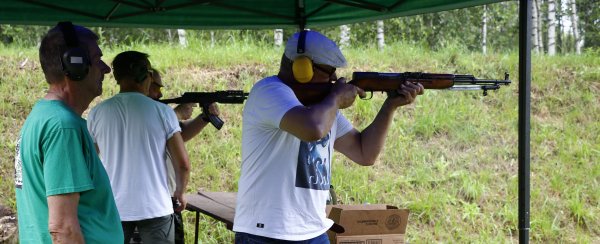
[[65, 93], [131, 86]]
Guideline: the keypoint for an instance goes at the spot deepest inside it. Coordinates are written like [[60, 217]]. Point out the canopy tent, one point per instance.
[[218, 14], [272, 14]]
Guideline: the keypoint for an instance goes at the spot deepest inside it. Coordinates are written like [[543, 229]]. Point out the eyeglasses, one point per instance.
[[157, 87], [330, 73]]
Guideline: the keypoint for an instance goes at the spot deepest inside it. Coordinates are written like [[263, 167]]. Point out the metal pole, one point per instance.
[[525, 12]]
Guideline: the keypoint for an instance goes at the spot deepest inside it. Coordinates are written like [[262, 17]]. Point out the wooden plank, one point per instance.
[[216, 210]]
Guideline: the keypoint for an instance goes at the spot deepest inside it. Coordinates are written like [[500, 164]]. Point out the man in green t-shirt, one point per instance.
[[63, 191]]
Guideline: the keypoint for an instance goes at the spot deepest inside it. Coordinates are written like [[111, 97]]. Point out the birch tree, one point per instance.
[[181, 33], [575, 29], [539, 14], [344, 36], [278, 37], [169, 36], [380, 37], [534, 30], [484, 30], [551, 28]]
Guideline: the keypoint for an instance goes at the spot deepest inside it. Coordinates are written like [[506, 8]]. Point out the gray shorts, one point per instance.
[[157, 230]]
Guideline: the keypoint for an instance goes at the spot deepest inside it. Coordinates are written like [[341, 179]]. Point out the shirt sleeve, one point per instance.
[[343, 125], [171, 123], [65, 166], [271, 102]]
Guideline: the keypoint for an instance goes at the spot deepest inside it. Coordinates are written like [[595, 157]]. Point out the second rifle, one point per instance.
[[204, 99]]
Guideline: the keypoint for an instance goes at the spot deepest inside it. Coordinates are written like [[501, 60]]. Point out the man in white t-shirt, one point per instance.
[[132, 147], [287, 147], [189, 129]]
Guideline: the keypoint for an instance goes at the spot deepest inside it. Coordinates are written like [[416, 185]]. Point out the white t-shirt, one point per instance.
[[284, 182], [131, 131]]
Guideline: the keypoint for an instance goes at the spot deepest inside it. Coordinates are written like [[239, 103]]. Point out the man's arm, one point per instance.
[[364, 147], [97, 148], [63, 222], [181, 165], [312, 124]]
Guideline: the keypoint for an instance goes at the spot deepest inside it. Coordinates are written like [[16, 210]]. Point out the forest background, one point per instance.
[[450, 158]]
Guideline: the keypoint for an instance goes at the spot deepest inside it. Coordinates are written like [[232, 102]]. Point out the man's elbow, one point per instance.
[[314, 133], [62, 227], [185, 165]]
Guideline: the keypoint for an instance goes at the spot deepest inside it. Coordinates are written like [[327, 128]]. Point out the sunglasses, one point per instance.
[[330, 73], [157, 87]]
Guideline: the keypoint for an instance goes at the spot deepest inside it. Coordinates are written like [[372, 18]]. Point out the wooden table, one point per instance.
[[218, 205]]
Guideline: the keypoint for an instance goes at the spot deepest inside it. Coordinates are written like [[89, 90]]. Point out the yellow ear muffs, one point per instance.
[[303, 69]]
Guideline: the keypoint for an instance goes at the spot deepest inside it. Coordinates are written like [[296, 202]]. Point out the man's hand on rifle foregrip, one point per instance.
[[408, 92], [346, 93]]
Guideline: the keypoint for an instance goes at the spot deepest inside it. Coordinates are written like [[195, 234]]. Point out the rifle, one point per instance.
[[207, 98], [313, 93]]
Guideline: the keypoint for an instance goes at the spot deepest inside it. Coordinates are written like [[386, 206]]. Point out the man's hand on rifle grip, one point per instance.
[[346, 93], [212, 109]]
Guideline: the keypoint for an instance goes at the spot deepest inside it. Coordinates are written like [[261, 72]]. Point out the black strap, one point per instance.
[[301, 42], [69, 34]]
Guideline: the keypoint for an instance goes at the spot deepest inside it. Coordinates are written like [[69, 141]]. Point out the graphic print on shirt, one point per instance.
[[313, 170], [18, 167]]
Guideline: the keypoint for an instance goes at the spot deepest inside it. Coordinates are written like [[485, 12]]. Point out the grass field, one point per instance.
[[451, 157]]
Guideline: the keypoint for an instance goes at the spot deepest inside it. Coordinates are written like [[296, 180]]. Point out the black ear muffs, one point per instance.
[[140, 72], [302, 66], [74, 56]]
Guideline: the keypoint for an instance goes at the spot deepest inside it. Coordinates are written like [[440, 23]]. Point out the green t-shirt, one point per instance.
[[56, 155]]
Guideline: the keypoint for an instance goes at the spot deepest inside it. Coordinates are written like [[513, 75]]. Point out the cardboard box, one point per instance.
[[368, 224]]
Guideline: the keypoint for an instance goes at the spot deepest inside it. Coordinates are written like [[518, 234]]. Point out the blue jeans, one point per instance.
[[244, 238]]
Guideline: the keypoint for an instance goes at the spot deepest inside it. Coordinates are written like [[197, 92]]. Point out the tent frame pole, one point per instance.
[[525, 18]]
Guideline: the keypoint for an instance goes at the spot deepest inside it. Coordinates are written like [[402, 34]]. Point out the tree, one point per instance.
[[574, 25], [181, 33], [540, 26], [484, 30], [534, 30], [380, 37], [551, 28], [278, 36], [344, 36]]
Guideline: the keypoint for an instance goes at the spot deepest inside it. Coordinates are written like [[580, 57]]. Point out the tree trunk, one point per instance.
[[575, 28], [169, 36], [540, 26], [182, 41], [212, 38], [380, 37], [551, 28], [534, 30], [278, 37], [344, 36], [484, 30]]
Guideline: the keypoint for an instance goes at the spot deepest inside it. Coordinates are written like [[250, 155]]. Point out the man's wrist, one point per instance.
[[204, 117]]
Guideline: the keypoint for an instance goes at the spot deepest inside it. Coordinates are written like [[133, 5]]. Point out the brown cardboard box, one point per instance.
[[368, 224]]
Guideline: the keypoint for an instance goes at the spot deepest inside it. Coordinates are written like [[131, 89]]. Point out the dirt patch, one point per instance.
[[9, 231]]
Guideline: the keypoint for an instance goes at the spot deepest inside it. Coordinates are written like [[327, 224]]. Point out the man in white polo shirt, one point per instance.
[[132, 147], [287, 147]]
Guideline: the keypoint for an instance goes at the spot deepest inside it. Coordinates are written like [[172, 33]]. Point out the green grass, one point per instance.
[[451, 158]]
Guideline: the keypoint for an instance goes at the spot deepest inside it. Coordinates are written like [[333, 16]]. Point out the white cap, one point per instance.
[[319, 48]]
